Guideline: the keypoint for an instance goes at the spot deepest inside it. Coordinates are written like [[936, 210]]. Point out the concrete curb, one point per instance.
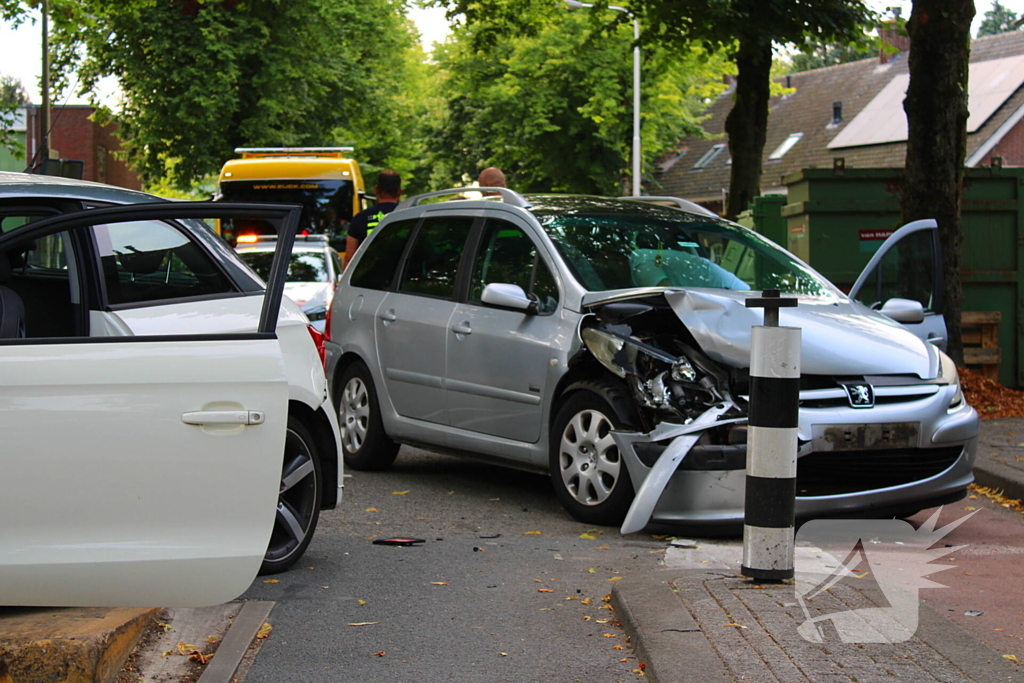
[[996, 476], [68, 645], [672, 647], [664, 636]]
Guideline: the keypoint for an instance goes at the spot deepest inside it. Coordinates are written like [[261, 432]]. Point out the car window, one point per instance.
[[433, 261], [39, 274], [508, 255], [304, 266], [907, 271], [625, 251], [377, 265], [146, 261]]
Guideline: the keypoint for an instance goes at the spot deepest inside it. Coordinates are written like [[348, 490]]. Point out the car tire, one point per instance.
[[298, 503], [365, 445], [588, 473]]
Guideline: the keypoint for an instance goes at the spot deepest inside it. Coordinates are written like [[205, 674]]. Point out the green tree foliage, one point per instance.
[[552, 102], [12, 96], [816, 54], [998, 19], [749, 29], [201, 77]]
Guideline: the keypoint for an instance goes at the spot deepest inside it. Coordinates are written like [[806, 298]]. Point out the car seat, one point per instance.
[[12, 309]]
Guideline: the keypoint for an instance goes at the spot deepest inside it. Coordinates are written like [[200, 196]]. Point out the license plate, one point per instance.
[[862, 437]]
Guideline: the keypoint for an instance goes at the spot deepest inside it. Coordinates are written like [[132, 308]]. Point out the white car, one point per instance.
[[313, 271], [150, 385]]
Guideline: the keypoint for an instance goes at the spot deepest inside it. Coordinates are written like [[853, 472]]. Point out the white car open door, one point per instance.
[[137, 470], [903, 280]]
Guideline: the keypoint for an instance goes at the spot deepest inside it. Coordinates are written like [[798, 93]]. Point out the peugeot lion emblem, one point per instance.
[[860, 394]]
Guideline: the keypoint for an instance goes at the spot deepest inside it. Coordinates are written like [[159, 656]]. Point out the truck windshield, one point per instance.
[[327, 204]]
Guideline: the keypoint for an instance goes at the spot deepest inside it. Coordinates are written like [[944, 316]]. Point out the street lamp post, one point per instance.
[[576, 4]]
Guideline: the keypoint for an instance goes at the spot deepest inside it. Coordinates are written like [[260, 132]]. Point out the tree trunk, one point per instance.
[[747, 124], [936, 107]]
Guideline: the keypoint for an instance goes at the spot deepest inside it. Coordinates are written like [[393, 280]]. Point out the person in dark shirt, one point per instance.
[[388, 191]]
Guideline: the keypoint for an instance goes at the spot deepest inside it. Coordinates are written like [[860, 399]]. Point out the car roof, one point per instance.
[[14, 184]]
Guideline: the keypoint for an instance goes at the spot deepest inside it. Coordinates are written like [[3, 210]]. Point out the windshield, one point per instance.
[[624, 251], [306, 266], [327, 204]]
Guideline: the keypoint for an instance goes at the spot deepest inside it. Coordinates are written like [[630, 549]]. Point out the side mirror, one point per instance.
[[906, 311], [509, 296]]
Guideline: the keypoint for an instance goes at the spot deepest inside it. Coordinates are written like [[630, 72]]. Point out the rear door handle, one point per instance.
[[462, 328], [224, 417], [389, 316]]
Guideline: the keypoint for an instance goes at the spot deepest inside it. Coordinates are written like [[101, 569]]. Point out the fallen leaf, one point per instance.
[[372, 510], [545, 590], [588, 537], [623, 660], [399, 493], [503, 654], [212, 639], [1012, 658], [264, 630], [361, 602], [586, 618], [607, 598], [605, 607], [999, 629], [603, 621], [271, 581], [585, 601], [615, 578], [439, 583], [573, 597], [379, 653], [655, 552], [608, 635], [602, 547], [532, 533], [591, 571], [968, 507], [197, 656], [363, 623], [619, 647], [734, 624], [864, 575], [184, 647]]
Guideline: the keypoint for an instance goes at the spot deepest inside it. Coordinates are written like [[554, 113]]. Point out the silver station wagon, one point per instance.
[[606, 342]]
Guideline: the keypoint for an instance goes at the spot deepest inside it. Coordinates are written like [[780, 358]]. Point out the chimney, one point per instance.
[[837, 113], [892, 37]]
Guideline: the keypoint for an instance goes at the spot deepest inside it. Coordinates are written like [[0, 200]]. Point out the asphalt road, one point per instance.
[[506, 586]]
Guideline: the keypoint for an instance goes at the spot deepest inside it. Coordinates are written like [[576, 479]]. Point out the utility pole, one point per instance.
[[44, 114]]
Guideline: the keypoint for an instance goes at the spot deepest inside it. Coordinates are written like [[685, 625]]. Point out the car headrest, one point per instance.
[[142, 262]]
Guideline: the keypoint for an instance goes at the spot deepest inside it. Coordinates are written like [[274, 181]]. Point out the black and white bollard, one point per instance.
[[770, 505]]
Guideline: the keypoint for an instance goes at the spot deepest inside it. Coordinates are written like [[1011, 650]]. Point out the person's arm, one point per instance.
[[351, 244]]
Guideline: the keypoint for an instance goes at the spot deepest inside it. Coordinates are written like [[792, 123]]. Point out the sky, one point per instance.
[[20, 52]]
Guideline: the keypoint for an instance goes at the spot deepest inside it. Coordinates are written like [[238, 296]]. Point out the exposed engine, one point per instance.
[[669, 377]]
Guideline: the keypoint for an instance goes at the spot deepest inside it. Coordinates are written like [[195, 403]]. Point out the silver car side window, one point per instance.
[[508, 255]]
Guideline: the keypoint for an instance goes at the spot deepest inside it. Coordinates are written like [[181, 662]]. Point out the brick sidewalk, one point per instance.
[[693, 625]]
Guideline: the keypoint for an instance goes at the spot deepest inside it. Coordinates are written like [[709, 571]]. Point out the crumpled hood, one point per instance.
[[839, 337]]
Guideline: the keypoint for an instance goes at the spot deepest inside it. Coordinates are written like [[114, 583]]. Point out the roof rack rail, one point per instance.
[[507, 196], [684, 204], [284, 151]]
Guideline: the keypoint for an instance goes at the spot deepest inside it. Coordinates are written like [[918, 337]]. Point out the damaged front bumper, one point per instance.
[[681, 484]]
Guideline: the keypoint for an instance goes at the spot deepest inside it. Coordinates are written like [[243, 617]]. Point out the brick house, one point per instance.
[[75, 136], [852, 115]]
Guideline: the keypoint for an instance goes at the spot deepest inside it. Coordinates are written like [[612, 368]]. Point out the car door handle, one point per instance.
[[389, 316], [224, 417], [462, 328]]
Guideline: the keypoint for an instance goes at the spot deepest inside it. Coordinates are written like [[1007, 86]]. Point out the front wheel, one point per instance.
[[365, 444], [298, 502], [587, 470]]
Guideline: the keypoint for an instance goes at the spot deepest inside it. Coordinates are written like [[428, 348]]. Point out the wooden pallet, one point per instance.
[[980, 334]]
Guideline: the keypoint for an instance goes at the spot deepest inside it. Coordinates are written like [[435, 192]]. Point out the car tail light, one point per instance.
[[327, 319], [318, 341]]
